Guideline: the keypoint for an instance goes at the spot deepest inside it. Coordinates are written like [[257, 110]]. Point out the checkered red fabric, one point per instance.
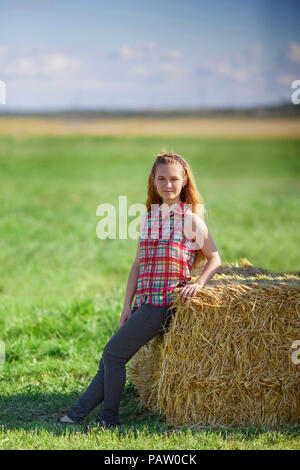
[[166, 256]]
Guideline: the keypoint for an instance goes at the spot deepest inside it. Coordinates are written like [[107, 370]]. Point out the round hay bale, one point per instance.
[[226, 356]]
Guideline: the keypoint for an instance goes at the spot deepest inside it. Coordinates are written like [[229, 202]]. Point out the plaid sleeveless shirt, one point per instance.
[[166, 256]]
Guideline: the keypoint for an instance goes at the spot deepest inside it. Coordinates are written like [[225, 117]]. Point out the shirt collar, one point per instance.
[[177, 209]]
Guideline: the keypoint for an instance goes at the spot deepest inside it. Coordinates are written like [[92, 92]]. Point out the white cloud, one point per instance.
[[241, 74], [242, 68], [165, 69], [22, 67], [54, 64], [165, 75], [293, 53], [145, 51], [42, 65], [151, 62]]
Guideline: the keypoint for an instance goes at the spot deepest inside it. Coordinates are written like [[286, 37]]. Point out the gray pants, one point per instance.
[[108, 384]]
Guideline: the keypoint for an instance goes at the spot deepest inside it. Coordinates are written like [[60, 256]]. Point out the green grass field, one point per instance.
[[62, 289]]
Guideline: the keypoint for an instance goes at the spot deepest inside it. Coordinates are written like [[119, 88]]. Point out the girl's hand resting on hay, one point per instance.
[[189, 291], [125, 315]]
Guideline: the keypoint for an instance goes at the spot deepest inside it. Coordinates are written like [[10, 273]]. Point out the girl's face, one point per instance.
[[168, 182]]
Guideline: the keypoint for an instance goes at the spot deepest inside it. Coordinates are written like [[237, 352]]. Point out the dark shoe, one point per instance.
[[101, 424]]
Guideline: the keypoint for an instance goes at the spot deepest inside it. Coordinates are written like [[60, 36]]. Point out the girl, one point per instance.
[[162, 263]]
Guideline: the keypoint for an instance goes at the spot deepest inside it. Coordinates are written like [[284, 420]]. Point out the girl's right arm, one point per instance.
[[132, 280], [131, 287]]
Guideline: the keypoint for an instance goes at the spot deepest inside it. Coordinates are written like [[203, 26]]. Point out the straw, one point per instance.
[[226, 357]]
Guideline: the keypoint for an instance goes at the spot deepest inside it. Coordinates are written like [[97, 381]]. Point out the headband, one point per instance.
[[179, 159]]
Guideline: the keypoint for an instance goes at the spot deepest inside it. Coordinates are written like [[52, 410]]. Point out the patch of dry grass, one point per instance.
[[197, 127]]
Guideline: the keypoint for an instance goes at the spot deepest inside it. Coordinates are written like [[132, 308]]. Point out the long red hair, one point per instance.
[[189, 194]]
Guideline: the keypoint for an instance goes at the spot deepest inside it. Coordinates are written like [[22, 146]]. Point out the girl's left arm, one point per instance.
[[209, 250], [204, 242]]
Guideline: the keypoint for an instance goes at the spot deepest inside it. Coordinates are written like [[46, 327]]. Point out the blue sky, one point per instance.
[[138, 54]]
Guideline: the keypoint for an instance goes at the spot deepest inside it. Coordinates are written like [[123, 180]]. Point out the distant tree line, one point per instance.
[[282, 110]]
